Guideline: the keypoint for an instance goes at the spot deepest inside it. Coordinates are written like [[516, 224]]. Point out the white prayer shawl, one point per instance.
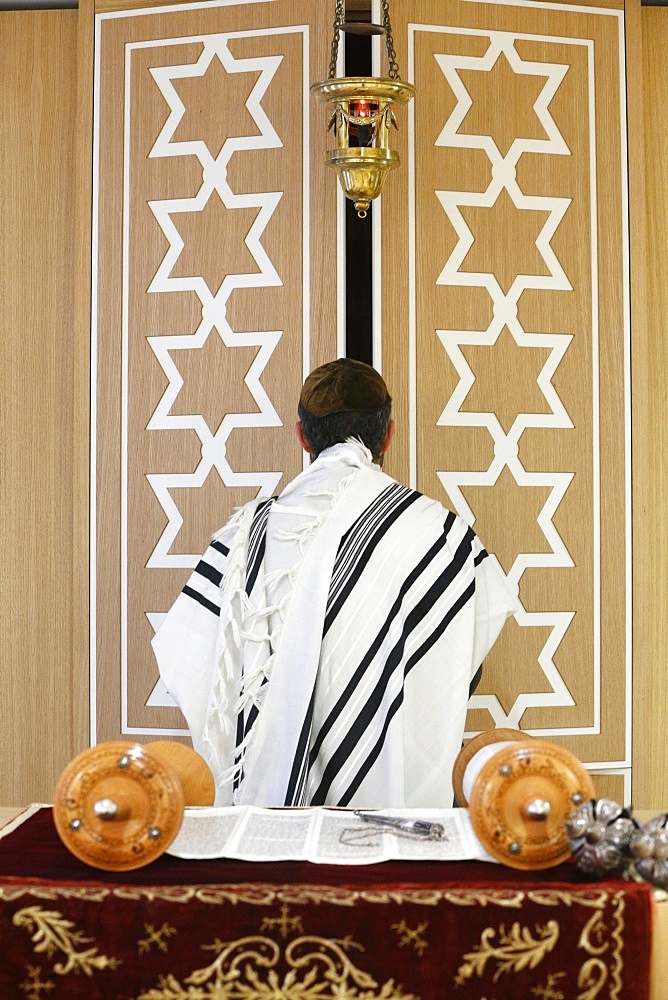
[[323, 648]]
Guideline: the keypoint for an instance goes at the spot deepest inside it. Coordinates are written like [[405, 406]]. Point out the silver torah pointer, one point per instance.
[[416, 827]]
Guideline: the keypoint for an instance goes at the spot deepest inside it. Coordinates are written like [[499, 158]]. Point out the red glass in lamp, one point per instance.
[[360, 133]]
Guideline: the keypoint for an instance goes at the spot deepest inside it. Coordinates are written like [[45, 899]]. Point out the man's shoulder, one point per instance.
[[422, 501], [427, 508], [417, 505]]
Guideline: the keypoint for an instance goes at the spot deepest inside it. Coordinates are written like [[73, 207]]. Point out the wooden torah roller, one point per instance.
[[118, 805], [519, 791]]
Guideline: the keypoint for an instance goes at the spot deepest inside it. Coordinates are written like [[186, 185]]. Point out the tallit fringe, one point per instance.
[[239, 627]]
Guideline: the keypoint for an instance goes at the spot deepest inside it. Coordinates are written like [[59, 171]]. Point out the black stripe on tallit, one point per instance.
[[413, 619], [209, 572], [421, 567], [364, 719], [258, 527], [368, 712], [359, 543], [358, 533], [256, 542], [476, 680], [483, 554], [244, 724], [253, 711], [252, 716], [240, 733], [354, 552], [205, 602], [299, 772]]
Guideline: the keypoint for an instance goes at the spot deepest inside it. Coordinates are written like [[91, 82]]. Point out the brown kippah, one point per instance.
[[341, 386]]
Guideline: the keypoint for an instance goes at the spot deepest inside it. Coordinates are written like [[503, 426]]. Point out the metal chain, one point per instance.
[[339, 18], [393, 68]]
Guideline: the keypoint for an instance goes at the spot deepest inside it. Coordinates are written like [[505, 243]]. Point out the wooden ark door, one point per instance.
[[504, 336], [215, 239]]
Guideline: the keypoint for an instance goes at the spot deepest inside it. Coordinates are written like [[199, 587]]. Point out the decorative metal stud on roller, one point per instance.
[[362, 115]]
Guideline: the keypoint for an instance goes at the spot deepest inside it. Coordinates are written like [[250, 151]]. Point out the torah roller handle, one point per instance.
[[118, 806], [519, 792]]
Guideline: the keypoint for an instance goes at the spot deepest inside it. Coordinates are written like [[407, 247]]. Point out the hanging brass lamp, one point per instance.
[[362, 114]]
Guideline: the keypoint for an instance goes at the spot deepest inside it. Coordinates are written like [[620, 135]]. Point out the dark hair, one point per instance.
[[323, 432]]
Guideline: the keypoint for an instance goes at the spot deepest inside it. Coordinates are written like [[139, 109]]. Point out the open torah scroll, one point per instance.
[[324, 836]]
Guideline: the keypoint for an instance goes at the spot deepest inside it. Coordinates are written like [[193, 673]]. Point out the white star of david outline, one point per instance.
[[163, 211], [214, 444], [214, 177], [213, 455], [163, 347], [159, 696], [502, 42], [452, 414], [214, 171], [451, 275], [503, 174], [557, 481], [503, 168], [216, 45], [559, 697]]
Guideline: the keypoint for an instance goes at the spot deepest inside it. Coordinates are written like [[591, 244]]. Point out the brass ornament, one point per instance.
[[361, 116]]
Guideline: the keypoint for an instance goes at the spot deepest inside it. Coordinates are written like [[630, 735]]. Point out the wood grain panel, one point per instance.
[[44, 388], [79, 715], [610, 786], [213, 302], [649, 214], [505, 339], [44, 430]]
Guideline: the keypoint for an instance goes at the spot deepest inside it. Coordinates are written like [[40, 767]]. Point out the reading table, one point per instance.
[[238, 930]]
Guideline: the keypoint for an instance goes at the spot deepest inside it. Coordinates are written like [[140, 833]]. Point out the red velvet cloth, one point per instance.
[[298, 931]]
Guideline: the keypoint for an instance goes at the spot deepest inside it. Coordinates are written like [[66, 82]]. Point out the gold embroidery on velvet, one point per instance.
[[617, 936], [548, 992], [481, 897], [318, 968], [155, 937], [285, 924], [10, 893], [414, 937], [592, 975], [594, 898], [52, 933], [425, 897], [592, 938], [33, 986], [517, 950], [594, 972], [266, 895]]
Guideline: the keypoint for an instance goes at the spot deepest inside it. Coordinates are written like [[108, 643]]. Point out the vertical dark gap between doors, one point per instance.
[[359, 293]]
